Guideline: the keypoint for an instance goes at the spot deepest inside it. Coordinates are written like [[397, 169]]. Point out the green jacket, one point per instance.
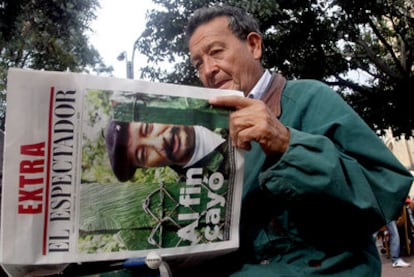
[[313, 211]]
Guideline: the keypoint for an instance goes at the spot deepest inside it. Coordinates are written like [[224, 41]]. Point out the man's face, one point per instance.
[[154, 145], [222, 59]]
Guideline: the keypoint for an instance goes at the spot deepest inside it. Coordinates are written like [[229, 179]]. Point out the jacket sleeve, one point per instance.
[[336, 164]]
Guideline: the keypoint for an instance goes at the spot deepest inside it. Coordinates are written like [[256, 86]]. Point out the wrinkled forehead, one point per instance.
[[207, 35], [138, 128], [214, 25], [135, 124]]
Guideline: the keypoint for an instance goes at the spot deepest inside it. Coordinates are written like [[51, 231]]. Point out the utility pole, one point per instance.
[[130, 63]]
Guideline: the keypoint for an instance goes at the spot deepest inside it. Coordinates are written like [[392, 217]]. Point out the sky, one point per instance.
[[117, 26]]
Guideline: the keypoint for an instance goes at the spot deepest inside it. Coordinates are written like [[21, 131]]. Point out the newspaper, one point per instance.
[[99, 168]]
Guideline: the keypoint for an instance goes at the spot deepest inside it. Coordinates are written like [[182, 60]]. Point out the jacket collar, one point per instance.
[[273, 93]]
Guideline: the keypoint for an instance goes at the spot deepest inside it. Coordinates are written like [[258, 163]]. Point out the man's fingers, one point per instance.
[[240, 141], [237, 102]]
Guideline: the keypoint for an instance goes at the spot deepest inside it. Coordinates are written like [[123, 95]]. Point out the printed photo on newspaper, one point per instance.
[[100, 168]]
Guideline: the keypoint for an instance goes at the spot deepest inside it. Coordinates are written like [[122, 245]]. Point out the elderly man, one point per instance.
[[318, 182], [133, 145]]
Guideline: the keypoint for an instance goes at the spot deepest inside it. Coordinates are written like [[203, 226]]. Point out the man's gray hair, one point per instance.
[[240, 22]]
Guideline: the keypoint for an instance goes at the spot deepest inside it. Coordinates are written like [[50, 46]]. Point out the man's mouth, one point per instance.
[[173, 146], [175, 143], [221, 84]]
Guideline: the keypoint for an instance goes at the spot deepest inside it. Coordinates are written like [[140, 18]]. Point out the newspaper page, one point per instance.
[[99, 168]]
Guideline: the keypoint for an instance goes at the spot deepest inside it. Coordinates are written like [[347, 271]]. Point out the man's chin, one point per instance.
[[173, 160], [226, 86]]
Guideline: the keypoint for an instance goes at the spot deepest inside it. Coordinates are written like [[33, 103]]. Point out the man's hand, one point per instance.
[[252, 120]]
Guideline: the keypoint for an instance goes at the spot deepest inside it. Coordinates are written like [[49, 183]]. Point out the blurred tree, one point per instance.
[[48, 35], [332, 41]]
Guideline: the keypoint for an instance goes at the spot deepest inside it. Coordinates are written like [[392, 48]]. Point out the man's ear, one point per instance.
[[254, 42]]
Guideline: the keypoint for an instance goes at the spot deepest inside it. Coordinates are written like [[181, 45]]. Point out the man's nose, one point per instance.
[[210, 67], [155, 142]]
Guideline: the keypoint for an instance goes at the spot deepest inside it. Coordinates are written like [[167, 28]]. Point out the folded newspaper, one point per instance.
[[98, 169]]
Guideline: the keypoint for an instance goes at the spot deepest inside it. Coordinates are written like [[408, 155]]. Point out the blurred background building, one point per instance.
[[403, 149]]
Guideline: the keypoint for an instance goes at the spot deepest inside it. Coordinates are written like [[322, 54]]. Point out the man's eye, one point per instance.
[[141, 156], [150, 128], [198, 65], [215, 51], [145, 129]]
